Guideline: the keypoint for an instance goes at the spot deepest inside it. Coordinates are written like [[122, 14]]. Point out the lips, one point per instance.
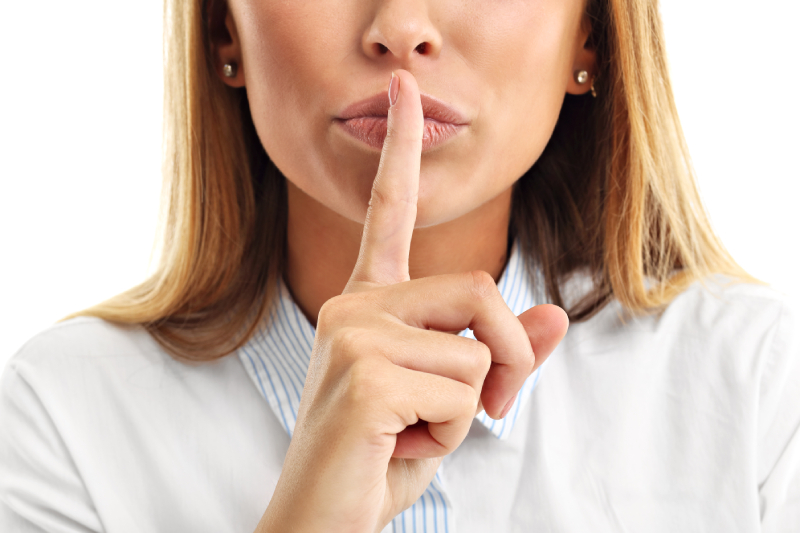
[[366, 121]]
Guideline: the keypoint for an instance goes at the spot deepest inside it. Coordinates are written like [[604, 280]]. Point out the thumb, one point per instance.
[[545, 325]]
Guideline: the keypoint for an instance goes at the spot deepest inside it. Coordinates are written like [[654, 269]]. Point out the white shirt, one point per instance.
[[683, 421]]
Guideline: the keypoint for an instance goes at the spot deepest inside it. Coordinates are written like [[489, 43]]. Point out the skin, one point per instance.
[[378, 258]]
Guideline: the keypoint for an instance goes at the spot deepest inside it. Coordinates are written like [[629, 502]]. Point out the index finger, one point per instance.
[[392, 212]]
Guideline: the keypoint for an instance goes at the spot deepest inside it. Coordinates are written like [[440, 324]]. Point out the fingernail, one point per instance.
[[394, 88], [507, 408]]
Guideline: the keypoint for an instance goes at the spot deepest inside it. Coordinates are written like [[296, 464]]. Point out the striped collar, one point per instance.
[[277, 356]]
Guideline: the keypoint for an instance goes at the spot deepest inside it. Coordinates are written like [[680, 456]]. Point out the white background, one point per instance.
[[80, 144]]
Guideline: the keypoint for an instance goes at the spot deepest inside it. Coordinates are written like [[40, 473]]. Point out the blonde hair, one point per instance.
[[613, 192]]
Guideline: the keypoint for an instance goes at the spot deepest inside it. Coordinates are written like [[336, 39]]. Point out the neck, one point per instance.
[[323, 247]]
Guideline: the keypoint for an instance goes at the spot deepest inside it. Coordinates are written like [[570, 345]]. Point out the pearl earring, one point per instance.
[[581, 76], [229, 70]]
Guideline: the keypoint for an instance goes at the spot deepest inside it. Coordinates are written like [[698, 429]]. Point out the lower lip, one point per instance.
[[372, 131]]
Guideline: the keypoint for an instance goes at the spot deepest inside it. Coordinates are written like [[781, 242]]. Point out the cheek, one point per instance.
[[291, 52], [518, 56], [289, 46], [276, 62], [525, 89]]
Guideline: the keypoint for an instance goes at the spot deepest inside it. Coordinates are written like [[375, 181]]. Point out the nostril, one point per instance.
[[382, 49]]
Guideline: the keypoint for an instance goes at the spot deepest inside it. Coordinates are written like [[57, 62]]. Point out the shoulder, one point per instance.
[[92, 363], [89, 375], [84, 337], [733, 331], [742, 317], [89, 403], [74, 348], [83, 367], [716, 308], [720, 298]]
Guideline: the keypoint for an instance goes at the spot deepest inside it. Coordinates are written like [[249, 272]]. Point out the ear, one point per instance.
[[585, 58], [224, 42]]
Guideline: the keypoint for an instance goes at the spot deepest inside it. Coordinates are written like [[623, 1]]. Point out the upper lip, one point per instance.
[[378, 106]]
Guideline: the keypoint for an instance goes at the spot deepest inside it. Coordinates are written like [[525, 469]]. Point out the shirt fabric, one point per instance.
[[685, 420]]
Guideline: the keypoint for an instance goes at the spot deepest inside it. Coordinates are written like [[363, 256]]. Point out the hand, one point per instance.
[[388, 392]]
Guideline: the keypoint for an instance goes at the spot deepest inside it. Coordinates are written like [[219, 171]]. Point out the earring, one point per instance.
[[594, 92], [581, 76], [229, 70]]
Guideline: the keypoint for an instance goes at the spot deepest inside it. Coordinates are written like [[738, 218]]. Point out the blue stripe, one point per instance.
[[403, 514], [298, 347], [276, 354], [290, 354], [414, 515], [523, 289], [275, 392], [288, 401], [309, 337], [515, 286], [280, 378], [435, 514], [444, 504], [301, 349], [255, 371], [300, 320], [302, 367], [424, 514], [287, 303], [509, 273], [504, 276]]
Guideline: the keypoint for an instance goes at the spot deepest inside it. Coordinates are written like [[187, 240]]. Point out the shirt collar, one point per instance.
[[277, 356]]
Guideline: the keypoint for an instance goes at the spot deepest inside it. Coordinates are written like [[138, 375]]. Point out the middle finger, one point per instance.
[[469, 300]]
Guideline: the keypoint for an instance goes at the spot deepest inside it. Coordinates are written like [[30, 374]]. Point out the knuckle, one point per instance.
[[468, 398], [532, 360], [483, 285], [364, 384], [384, 197], [482, 358], [337, 311], [329, 313], [348, 343], [477, 361]]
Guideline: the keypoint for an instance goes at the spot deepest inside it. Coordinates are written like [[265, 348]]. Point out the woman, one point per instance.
[[326, 238]]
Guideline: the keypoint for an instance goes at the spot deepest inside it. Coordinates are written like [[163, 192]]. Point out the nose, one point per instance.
[[401, 29]]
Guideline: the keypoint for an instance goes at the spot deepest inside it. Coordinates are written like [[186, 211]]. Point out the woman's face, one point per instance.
[[502, 65]]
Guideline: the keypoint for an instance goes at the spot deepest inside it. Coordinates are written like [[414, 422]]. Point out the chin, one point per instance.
[[439, 204], [448, 189]]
